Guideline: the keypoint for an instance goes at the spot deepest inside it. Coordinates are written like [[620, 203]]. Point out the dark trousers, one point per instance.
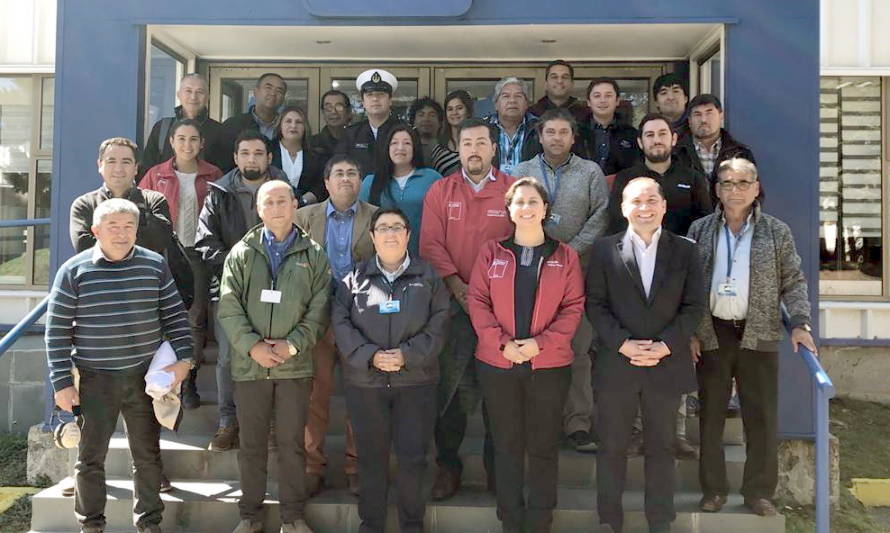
[[103, 396], [756, 375], [616, 409], [200, 304], [451, 424], [404, 418], [258, 403], [526, 409]]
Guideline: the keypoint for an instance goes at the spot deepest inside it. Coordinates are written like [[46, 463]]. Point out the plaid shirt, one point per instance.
[[510, 148], [707, 157]]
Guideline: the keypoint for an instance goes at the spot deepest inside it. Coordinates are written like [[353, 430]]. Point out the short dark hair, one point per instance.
[[271, 74], [389, 211], [341, 158], [250, 135], [705, 99], [557, 113], [186, 122], [426, 101], [336, 92], [528, 182], [599, 81], [383, 172], [669, 80], [557, 63], [473, 122], [649, 118]]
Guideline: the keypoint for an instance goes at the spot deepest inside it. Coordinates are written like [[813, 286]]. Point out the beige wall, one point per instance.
[[855, 36]]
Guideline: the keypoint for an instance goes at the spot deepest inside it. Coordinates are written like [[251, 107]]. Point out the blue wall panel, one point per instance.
[[771, 91]]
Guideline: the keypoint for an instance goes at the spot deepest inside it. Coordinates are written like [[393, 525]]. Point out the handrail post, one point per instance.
[[823, 523]]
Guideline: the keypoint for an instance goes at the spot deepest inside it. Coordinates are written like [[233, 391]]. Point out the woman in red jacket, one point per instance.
[[184, 180], [525, 299]]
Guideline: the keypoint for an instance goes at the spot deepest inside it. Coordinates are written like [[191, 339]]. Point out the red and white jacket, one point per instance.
[[559, 305], [162, 178]]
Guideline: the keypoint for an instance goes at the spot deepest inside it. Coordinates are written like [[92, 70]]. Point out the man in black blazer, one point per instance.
[[645, 299]]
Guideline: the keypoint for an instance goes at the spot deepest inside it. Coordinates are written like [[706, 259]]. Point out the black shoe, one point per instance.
[[190, 398], [712, 504], [660, 528], [165, 484], [582, 441]]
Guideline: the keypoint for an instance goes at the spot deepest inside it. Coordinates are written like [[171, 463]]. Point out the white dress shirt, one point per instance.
[[293, 167], [645, 255]]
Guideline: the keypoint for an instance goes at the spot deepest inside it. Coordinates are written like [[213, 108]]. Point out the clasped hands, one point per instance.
[[388, 360], [645, 352], [270, 353], [519, 351]]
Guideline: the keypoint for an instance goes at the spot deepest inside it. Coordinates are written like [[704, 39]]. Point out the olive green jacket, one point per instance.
[[302, 316]]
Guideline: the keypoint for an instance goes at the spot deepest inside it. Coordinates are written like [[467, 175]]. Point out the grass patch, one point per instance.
[[13, 466], [17, 518]]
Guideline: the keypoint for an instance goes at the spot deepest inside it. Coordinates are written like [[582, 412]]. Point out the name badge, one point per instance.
[[389, 307], [727, 289], [269, 296], [555, 218]]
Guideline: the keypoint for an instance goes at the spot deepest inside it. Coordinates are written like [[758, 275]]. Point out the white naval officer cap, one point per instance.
[[376, 79]]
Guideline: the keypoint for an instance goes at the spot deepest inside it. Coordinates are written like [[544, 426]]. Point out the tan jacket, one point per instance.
[[313, 221]]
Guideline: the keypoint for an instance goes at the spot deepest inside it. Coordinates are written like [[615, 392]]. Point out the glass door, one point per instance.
[[480, 81], [414, 82], [635, 83]]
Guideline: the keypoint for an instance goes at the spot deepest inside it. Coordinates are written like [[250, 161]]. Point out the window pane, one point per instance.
[[238, 95], [162, 88], [405, 94], [16, 109], [850, 230], [46, 114], [482, 91], [13, 263], [41, 233], [634, 92]]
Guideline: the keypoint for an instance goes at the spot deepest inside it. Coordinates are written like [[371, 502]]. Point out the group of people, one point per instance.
[[566, 260]]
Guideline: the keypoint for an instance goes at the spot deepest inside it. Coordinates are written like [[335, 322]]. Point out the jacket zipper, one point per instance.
[[536, 307]]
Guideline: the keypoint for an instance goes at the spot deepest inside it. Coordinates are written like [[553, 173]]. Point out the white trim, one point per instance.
[[855, 71], [824, 29], [23, 293], [437, 61], [834, 304], [716, 36], [27, 69], [864, 33]]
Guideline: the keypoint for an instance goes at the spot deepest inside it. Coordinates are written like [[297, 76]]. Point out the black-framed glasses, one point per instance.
[[395, 228], [728, 185]]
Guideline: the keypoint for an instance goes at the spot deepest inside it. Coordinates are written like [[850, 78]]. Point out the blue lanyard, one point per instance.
[[552, 192], [731, 250]]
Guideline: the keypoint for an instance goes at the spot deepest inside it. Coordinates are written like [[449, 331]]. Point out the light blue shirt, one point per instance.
[[338, 239], [409, 199], [725, 306]]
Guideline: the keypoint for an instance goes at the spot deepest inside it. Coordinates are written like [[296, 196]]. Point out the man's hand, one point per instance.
[[458, 289], [695, 348], [528, 348], [67, 398], [262, 353], [388, 360], [635, 349], [645, 352], [513, 354], [801, 336], [280, 347], [180, 371]]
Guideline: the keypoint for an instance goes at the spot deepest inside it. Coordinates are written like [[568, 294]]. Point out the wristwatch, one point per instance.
[[291, 348]]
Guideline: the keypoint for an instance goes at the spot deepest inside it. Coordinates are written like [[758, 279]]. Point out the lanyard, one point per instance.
[[552, 192], [731, 250]]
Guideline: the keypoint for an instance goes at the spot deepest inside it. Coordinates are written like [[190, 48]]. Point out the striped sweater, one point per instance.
[[105, 315]]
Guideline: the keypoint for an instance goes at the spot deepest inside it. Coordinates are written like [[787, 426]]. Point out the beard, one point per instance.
[[659, 155], [252, 174]]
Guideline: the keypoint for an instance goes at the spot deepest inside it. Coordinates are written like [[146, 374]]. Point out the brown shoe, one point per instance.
[[446, 485], [761, 506], [635, 448], [165, 484], [314, 484], [712, 504], [683, 450], [352, 483], [67, 487], [226, 438]]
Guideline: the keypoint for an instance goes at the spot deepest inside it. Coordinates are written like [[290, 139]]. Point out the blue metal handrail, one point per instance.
[[25, 222], [33, 316], [823, 391]]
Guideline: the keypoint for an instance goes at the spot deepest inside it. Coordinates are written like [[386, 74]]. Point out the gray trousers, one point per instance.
[[577, 415]]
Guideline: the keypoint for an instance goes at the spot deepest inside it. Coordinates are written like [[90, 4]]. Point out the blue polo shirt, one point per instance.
[[338, 239]]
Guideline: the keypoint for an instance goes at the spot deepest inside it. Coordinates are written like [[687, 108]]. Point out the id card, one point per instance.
[[269, 296], [389, 307], [555, 218], [727, 289]]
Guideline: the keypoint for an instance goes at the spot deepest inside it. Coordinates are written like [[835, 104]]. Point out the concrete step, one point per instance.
[[186, 457], [210, 506]]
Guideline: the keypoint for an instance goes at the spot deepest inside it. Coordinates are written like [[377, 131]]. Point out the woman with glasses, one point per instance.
[[752, 268], [294, 156], [458, 107], [389, 317], [400, 179], [525, 300]]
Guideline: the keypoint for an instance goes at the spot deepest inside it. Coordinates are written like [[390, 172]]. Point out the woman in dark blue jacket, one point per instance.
[[292, 154], [389, 317]]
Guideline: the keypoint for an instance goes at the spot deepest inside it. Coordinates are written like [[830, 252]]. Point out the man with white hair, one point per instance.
[[516, 127], [125, 304]]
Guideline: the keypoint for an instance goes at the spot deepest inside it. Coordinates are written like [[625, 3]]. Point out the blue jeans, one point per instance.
[[224, 386]]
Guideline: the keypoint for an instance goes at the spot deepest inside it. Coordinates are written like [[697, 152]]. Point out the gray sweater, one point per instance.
[[775, 277], [581, 200]]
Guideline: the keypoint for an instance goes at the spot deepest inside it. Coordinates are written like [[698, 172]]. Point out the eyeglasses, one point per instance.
[[334, 107], [740, 185], [398, 228]]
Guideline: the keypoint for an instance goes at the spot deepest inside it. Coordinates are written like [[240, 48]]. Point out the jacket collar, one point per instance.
[[755, 214], [228, 183], [550, 246], [254, 239], [166, 169], [202, 116], [415, 268]]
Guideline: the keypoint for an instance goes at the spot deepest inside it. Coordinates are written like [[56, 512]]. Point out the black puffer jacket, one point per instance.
[[418, 329]]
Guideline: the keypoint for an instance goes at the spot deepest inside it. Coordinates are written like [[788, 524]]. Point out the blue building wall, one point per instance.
[[771, 91]]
